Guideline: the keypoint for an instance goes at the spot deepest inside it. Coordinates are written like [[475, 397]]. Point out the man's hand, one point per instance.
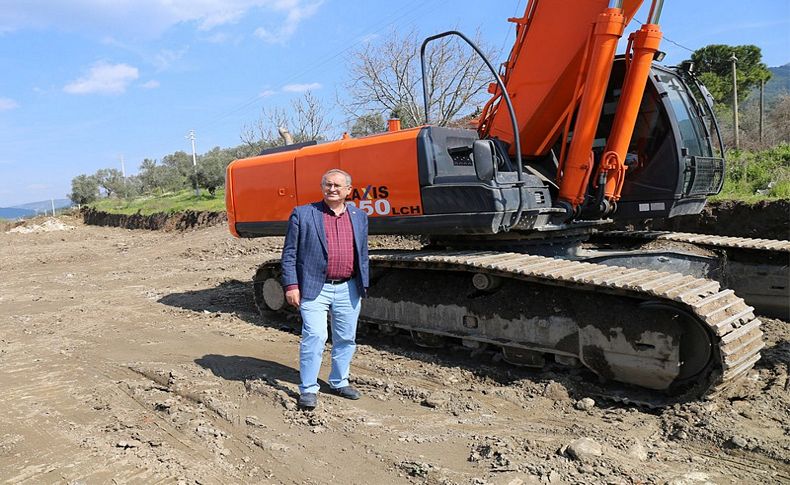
[[293, 297]]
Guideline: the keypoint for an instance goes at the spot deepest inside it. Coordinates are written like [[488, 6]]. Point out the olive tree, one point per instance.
[[84, 189], [111, 180]]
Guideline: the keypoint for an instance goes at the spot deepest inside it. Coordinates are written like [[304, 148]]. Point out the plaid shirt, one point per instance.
[[340, 244]]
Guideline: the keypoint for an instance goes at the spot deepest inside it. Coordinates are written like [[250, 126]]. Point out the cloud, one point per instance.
[[218, 38], [296, 12], [152, 84], [366, 39], [166, 57], [104, 78], [300, 88], [37, 187], [266, 93], [8, 104], [151, 18], [221, 17]]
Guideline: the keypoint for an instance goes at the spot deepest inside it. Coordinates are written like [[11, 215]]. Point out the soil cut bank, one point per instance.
[[138, 357], [769, 219]]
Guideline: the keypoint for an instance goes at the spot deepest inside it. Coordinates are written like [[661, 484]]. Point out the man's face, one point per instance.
[[334, 188]]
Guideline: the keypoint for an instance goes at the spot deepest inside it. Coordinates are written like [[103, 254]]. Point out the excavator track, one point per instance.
[[757, 269], [687, 338], [705, 240]]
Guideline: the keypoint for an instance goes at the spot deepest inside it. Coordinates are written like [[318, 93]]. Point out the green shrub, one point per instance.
[[758, 174], [170, 202], [781, 190]]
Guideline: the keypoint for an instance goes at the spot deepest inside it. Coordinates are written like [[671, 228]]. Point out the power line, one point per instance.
[[664, 37], [679, 45], [511, 27]]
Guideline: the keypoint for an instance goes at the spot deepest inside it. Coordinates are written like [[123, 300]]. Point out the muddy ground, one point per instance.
[[133, 356]]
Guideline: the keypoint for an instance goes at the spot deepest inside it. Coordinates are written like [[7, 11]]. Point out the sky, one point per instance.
[[88, 83]]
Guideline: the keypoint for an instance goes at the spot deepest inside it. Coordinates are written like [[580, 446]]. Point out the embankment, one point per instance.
[[179, 221], [765, 219]]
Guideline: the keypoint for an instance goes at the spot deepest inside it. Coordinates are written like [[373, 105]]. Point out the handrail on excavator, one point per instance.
[[516, 140]]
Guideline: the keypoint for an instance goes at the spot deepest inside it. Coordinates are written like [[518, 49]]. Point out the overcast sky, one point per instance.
[[86, 82]]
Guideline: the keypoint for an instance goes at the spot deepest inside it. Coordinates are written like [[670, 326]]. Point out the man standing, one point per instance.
[[325, 269]]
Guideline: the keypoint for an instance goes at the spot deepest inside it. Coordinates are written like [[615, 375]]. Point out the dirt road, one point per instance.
[[137, 357]]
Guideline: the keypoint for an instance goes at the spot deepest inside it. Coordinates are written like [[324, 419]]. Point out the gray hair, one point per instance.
[[336, 170]]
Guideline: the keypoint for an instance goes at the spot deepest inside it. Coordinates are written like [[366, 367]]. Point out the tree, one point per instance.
[[386, 78], [306, 121], [310, 122], [133, 186], [368, 124], [260, 134], [151, 176], [779, 120], [211, 169], [84, 189], [713, 65], [177, 171], [180, 161], [111, 180]]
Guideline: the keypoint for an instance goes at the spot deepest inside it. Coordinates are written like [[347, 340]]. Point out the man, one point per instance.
[[325, 269]]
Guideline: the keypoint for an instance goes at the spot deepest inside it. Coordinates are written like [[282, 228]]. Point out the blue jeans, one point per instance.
[[343, 302]]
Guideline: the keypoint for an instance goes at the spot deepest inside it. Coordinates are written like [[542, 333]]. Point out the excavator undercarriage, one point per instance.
[[682, 335]]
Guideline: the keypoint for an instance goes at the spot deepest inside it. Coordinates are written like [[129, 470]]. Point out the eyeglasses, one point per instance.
[[333, 186]]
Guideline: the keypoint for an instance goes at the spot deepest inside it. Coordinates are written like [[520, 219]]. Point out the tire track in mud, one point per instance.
[[53, 402], [245, 435]]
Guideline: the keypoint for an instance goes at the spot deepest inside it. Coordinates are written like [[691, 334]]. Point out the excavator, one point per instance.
[[573, 137]]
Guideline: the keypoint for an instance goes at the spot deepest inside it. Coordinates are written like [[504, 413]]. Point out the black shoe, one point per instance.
[[347, 392], [308, 400]]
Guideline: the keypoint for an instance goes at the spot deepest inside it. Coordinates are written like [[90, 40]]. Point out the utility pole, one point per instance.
[[762, 108], [123, 176], [735, 101], [191, 136], [52, 201]]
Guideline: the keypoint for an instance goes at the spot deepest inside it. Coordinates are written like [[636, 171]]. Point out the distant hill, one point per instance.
[[779, 82], [32, 208], [45, 205], [13, 213], [776, 86]]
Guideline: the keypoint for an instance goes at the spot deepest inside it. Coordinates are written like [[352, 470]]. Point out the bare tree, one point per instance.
[[385, 78], [779, 120], [264, 132], [306, 120], [310, 122]]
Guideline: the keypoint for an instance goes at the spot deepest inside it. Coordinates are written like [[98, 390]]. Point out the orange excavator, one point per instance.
[[572, 138]]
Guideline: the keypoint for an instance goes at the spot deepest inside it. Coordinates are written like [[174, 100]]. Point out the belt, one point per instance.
[[338, 282]]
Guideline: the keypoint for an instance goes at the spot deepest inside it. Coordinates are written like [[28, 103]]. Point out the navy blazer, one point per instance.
[[304, 258]]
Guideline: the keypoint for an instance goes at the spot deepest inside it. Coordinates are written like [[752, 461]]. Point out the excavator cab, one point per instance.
[[672, 164]]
